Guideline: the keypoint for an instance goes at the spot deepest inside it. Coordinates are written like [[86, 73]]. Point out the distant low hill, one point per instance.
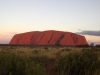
[[50, 37]]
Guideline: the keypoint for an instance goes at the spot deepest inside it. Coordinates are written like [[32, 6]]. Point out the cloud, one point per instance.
[[79, 30], [5, 37], [95, 43], [89, 32], [8, 33], [4, 41], [11, 32]]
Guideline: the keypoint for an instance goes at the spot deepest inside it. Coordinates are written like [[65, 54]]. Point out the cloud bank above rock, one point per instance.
[[89, 32]]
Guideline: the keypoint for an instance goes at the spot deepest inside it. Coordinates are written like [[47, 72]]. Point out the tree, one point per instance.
[[92, 44], [98, 45]]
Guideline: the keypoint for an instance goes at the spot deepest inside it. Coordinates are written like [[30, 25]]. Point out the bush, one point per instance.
[[5, 63], [84, 63], [98, 45], [10, 64], [40, 59], [35, 51]]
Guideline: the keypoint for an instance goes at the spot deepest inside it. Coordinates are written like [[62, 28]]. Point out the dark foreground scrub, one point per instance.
[[10, 64], [84, 63]]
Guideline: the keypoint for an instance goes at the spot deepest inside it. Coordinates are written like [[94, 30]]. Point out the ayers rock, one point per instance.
[[49, 37]]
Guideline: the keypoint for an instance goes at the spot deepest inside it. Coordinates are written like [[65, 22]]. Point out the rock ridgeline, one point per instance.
[[50, 37]]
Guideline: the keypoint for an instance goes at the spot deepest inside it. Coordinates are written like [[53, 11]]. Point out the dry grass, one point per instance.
[[50, 52]]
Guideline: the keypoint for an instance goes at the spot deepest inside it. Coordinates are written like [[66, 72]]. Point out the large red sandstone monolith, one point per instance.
[[49, 38]]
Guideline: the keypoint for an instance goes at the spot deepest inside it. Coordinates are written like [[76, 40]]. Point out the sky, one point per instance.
[[77, 16]]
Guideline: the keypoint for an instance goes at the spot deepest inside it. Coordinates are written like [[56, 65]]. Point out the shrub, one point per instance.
[[10, 64], [98, 45], [5, 63], [40, 59], [65, 50], [84, 63], [35, 51]]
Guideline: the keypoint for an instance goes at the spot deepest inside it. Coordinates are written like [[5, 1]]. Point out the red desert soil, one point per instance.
[[50, 37], [50, 68]]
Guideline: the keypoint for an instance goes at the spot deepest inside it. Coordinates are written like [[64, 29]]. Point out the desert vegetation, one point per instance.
[[49, 60]]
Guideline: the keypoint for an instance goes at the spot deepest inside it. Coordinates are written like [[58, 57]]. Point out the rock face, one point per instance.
[[48, 38]]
